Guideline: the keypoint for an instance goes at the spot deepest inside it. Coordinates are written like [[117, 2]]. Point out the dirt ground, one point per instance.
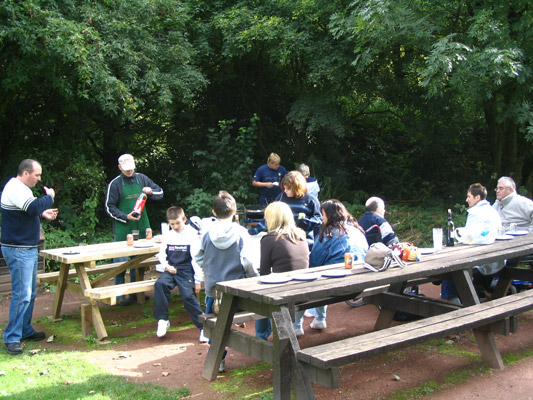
[[177, 360]]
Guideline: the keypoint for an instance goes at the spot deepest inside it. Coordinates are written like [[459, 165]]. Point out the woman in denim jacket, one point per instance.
[[339, 234]]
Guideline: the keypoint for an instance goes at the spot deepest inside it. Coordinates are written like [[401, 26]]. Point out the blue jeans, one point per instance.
[[209, 310], [22, 264], [121, 278], [263, 328], [448, 290], [318, 312], [184, 280]]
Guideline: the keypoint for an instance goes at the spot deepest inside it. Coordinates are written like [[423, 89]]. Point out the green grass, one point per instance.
[[54, 374], [456, 377], [69, 375], [68, 331], [449, 347], [513, 358], [237, 383]]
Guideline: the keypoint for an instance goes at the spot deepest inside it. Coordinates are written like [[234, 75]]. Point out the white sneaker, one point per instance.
[[162, 327], [222, 366], [308, 314], [318, 324], [299, 331], [456, 300], [203, 339]]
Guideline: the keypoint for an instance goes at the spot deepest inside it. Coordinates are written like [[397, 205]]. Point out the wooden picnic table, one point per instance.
[[82, 259], [295, 367]]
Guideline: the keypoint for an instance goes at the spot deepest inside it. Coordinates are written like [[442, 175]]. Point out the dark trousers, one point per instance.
[[184, 280]]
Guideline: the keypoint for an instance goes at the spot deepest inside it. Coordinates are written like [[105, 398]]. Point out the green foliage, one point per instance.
[[408, 101], [199, 203], [224, 164]]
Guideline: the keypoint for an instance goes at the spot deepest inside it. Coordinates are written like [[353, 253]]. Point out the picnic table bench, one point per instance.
[[51, 277], [329, 356], [296, 368]]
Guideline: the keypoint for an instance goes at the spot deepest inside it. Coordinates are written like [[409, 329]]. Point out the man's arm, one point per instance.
[[199, 256], [194, 248], [26, 201], [387, 234], [150, 187], [247, 255], [112, 201], [529, 213], [257, 180], [37, 206], [263, 184]]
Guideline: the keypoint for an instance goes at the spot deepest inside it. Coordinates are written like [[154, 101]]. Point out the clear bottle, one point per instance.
[[139, 205], [450, 230]]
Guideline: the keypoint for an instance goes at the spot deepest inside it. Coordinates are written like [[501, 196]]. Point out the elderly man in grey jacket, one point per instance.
[[512, 207]]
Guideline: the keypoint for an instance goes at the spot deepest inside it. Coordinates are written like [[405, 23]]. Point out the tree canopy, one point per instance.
[[410, 100]]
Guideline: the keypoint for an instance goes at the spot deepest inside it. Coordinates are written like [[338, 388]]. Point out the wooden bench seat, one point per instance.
[[332, 355], [108, 294], [210, 320], [99, 269]]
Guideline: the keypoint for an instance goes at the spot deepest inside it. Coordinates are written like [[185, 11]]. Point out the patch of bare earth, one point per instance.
[[176, 361]]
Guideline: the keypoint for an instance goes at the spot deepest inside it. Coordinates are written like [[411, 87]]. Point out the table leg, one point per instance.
[[489, 350], [465, 287], [485, 340], [139, 276], [386, 315], [60, 291], [286, 369], [219, 336], [96, 317], [86, 320]]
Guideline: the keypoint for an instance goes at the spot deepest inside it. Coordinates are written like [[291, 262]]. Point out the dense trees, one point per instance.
[[411, 100]]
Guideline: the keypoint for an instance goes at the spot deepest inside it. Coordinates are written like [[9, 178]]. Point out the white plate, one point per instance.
[[504, 237], [306, 277], [274, 278], [426, 250], [143, 245], [334, 273], [518, 233]]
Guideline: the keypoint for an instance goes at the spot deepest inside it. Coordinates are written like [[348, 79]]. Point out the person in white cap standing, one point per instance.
[[121, 195]]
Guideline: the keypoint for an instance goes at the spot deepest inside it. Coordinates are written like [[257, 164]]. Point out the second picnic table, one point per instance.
[[297, 367], [83, 260]]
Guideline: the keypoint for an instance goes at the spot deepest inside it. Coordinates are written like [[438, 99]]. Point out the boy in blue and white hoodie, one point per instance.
[[225, 251]]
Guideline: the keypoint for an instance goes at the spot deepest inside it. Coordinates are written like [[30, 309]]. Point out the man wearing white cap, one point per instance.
[[121, 195]]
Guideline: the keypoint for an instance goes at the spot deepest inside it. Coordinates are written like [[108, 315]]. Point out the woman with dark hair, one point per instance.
[[339, 234]]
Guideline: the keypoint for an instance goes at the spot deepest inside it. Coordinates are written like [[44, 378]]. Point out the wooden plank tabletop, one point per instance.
[[448, 260], [101, 251]]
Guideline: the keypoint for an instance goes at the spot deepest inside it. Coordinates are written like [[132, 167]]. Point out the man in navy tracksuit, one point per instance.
[[375, 215]]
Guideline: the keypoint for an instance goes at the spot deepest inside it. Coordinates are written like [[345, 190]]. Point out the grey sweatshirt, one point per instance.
[[225, 254]]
